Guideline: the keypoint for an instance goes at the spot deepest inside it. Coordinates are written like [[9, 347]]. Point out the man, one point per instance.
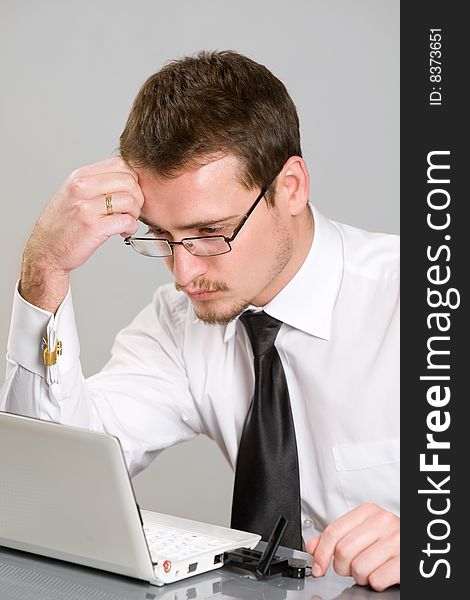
[[211, 163]]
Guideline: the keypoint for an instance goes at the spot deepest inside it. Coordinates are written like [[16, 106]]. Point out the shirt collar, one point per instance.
[[307, 301]]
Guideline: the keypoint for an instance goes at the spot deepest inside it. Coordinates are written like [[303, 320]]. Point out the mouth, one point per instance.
[[201, 294]]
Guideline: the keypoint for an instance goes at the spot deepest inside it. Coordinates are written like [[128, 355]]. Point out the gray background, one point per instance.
[[70, 71]]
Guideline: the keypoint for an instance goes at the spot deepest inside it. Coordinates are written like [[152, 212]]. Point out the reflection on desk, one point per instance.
[[29, 577]]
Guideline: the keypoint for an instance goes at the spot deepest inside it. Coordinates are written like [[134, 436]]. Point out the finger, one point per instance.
[[386, 575], [312, 544], [120, 202], [351, 545], [118, 223], [88, 211], [373, 557], [113, 164], [381, 525], [89, 186], [337, 530]]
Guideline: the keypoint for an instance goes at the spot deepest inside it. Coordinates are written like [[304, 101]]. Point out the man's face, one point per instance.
[[211, 201]]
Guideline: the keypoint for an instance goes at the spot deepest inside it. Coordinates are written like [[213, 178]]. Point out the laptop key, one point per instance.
[[177, 543]]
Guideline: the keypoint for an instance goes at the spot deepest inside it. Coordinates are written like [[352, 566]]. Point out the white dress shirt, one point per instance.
[[172, 377]]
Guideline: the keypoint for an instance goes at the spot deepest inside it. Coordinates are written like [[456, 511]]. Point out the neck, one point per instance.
[[301, 238]]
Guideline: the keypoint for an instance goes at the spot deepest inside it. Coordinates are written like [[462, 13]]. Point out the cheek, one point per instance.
[[245, 267]]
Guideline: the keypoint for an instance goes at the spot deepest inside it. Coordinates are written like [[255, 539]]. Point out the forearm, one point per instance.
[[141, 396], [46, 391], [41, 285]]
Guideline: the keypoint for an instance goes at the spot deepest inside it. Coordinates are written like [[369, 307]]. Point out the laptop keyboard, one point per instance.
[[177, 544]]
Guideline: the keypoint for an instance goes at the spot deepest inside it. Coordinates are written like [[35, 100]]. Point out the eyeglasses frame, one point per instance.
[[236, 231]]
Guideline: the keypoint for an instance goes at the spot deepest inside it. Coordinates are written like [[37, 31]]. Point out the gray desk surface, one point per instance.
[[30, 577]]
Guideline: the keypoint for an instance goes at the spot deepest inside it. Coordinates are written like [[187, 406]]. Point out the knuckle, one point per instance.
[[343, 550], [359, 570], [137, 204], [395, 538], [76, 183], [341, 567], [309, 545], [138, 196], [320, 558], [137, 193], [371, 507], [386, 519], [376, 582], [81, 211], [75, 173], [133, 228], [330, 533], [125, 179], [128, 221], [128, 175]]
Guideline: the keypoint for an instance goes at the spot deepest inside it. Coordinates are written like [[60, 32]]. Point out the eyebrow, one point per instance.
[[198, 225]]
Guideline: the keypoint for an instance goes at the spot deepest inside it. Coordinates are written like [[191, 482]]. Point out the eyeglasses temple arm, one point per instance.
[[243, 221]]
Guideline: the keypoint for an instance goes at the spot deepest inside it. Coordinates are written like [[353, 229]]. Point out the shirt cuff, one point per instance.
[[29, 324]]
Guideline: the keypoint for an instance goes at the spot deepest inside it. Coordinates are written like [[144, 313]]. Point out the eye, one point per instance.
[[213, 230], [158, 232]]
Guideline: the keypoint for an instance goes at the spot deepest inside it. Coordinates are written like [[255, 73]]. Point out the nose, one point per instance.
[[186, 267]]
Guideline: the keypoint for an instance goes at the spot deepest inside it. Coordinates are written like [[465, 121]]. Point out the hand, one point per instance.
[[365, 544], [75, 224]]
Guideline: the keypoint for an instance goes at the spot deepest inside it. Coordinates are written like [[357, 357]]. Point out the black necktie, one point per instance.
[[267, 473]]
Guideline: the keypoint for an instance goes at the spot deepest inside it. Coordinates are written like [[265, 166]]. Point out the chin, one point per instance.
[[214, 313]]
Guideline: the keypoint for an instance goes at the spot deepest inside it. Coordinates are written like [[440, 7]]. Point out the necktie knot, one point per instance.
[[262, 329]]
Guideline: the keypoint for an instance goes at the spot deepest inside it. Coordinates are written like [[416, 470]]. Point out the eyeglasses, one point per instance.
[[212, 245]]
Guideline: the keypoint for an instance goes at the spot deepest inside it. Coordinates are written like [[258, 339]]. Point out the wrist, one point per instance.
[[42, 285]]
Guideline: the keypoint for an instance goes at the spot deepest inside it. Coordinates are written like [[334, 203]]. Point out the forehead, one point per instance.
[[222, 173], [202, 194]]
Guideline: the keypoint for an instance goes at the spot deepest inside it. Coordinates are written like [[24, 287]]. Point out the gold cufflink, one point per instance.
[[50, 358]]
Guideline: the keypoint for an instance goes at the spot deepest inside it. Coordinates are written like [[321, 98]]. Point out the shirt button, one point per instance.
[[308, 522]]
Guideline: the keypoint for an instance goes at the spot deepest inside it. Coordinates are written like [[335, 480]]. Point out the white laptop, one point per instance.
[[65, 493]]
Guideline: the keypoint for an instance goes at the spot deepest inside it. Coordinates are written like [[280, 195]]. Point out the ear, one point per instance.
[[294, 184]]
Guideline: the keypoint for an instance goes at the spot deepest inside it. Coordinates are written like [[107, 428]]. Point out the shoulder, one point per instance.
[[370, 254]]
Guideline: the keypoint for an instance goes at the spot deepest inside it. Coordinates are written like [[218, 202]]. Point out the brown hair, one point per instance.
[[201, 107]]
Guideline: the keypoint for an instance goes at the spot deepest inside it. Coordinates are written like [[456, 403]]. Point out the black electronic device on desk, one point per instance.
[[266, 563]]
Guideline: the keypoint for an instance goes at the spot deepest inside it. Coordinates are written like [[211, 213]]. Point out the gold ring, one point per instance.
[[109, 204]]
